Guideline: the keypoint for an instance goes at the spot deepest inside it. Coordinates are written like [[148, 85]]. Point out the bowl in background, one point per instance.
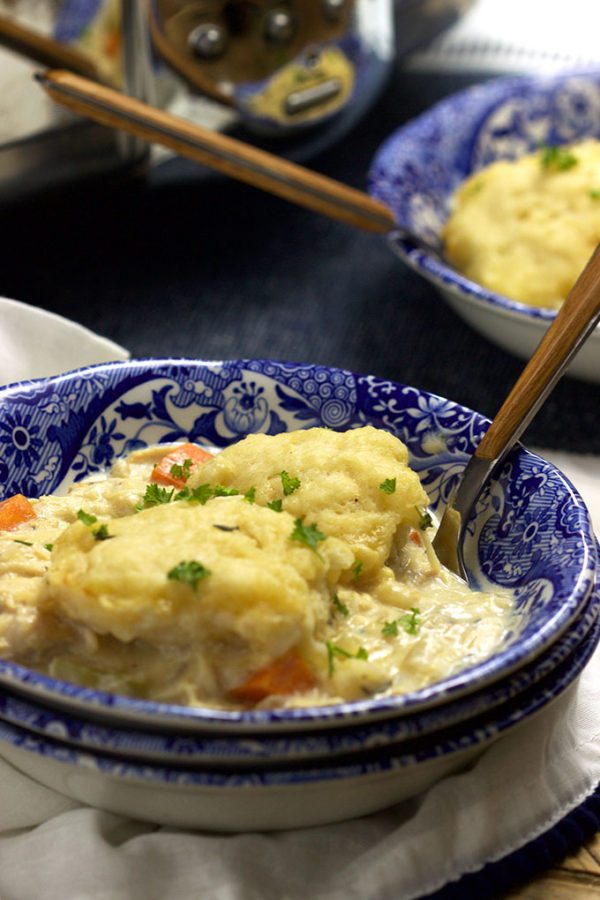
[[419, 167], [530, 531]]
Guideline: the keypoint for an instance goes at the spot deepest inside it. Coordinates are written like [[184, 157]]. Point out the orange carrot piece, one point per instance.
[[415, 537], [15, 511], [286, 675], [162, 472]]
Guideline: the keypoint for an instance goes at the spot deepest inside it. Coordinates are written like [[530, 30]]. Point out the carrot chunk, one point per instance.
[[415, 537], [15, 511], [174, 468], [286, 675]]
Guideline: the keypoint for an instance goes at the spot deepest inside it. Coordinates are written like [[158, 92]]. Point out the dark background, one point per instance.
[[189, 264]]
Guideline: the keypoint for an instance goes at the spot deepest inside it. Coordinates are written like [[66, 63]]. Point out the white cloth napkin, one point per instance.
[[35, 343], [521, 786], [538, 36]]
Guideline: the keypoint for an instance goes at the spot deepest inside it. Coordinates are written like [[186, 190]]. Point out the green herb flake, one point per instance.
[[154, 496], [220, 491], [388, 486], [275, 505], [49, 547], [87, 518], [595, 193], [200, 494], [357, 568], [101, 533], [250, 495], [182, 471], [25, 543], [308, 535], [189, 572], [390, 629], [289, 483], [339, 606], [334, 650], [425, 520], [559, 158], [410, 622]]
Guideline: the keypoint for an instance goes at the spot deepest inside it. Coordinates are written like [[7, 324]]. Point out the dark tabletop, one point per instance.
[[188, 264]]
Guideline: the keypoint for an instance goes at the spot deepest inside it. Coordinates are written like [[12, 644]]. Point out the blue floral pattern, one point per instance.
[[392, 761], [173, 746], [531, 531]]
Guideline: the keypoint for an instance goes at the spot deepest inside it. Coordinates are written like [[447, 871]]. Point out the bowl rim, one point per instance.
[[101, 704], [480, 731], [258, 749]]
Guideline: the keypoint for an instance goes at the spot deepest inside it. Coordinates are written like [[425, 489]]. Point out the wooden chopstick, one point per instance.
[[217, 151], [44, 50]]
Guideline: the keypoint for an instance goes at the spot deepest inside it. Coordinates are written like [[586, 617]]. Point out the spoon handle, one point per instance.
[[234, 158], [42, 49], [574, 322]]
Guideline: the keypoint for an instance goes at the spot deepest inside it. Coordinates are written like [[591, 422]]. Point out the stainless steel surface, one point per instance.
[[50, 149], [40, 149]]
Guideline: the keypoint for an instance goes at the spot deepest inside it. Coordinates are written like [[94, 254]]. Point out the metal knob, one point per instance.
[[208, 40], [279, 26]]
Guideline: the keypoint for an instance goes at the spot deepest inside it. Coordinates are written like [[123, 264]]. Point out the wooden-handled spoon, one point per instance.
[[231, 157], [42, 49]]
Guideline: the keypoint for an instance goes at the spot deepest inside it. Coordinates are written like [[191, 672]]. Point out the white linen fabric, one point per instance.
[[521, 786], [35, 343]]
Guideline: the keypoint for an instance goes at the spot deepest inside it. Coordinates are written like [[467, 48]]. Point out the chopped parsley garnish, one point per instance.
[[155, 496], [87, 518], [275, 505], [25, 543], [425, 521], [101, 533], [250, 495], [289, 483], [307, 534], [49, 547], [388, 486], [339, 606], [409, 622], [559, 158], [200, 494], [227, 527], [189, 572], [182, 471], [220, 491], [595, 193], [334, 650], [357, 568]]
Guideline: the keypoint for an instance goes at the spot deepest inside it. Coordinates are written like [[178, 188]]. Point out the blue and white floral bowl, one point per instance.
[[530, 532], [293, 796], [246, 751], [419, 167]]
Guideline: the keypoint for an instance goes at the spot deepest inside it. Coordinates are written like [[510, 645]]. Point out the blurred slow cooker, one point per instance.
[[303, 71]]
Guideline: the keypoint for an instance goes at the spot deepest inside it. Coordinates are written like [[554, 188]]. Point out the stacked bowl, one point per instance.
[[249, 769]]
